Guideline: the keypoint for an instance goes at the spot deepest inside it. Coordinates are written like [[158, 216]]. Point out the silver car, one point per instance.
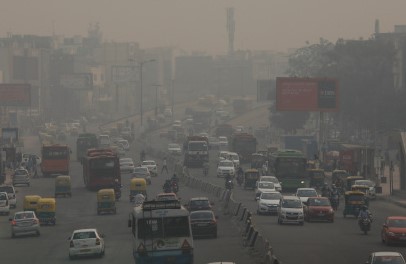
[[24, 222], [21, 177]]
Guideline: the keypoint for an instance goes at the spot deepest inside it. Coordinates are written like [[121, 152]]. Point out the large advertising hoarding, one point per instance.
[[307, 94], [15, 94]]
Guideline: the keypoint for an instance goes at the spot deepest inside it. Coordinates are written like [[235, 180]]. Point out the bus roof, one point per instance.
[[288, 153], [160, 209]]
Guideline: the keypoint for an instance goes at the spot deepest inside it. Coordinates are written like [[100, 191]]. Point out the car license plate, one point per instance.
[[201, 224], [85, 250], [321, 214]]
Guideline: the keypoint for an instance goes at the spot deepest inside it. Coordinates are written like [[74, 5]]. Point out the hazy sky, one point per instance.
[[201, 24]]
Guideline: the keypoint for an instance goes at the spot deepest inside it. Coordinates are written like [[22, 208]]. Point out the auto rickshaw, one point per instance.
[[137, 186], [350, 181], [46, 211], [354, 200], [106, 201], [251, 176], [63, 186], [316, 177], [31, 202], [362, 188]]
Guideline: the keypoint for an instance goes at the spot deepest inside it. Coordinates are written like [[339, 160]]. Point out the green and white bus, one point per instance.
[[289, 166], [161, 233]]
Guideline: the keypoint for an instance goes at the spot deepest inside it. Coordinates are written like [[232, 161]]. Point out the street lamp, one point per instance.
[[141, 65], [156, 98]]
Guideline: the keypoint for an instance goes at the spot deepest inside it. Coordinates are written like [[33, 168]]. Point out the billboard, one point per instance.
[[307, 94], [77, 81], [15, 94]]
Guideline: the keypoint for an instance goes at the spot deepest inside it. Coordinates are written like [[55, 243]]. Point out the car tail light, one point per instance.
[[71, 244], [97, 241], [13, 222], [213, 222]]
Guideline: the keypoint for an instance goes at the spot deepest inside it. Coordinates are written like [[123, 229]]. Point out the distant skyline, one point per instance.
[[200, 25]]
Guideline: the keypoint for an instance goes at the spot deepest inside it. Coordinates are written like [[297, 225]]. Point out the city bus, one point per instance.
[[161, 233], [289, 166], [55, 159], [84, 142], [101, 168]]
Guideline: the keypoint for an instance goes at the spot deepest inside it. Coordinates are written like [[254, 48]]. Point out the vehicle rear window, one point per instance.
[[201, 215], [200, 203], [84, 235], [7, 189], [25, 215]]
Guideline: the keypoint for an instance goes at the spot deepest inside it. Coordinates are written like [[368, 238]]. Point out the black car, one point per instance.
[[204, 223], [199, 203]]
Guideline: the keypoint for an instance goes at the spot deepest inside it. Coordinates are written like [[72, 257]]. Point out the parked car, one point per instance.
[[318, 208], [126, 165], [24, 222], [290, 210], [85, 242], [21, 176], [305, 193], [152, 166], [199, 203], [268, 202], [204, 223], [4, 204], [11, 192], [142, 172], [385, 258], [394, 230]]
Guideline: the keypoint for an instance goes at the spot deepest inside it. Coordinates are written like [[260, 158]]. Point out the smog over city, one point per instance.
[[203, 131]]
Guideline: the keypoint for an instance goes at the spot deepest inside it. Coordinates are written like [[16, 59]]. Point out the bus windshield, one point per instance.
[[290, 167], [163, 227]]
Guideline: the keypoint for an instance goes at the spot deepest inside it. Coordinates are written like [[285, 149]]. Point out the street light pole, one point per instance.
[[156, 98], [141, 108]]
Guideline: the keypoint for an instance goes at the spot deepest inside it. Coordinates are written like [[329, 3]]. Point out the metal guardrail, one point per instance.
[[259, 247]]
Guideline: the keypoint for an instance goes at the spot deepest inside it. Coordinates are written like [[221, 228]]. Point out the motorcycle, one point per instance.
[[229, 184], [240, 180], [335, 201], [365, 225], [167, 188], [175, 187]]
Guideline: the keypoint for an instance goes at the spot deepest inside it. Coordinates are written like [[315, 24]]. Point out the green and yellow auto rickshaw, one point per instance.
[[316, 178], [31, 202], [106, 201], [251, 176], [354, 200], [63, 186], [46, 211], [138, 186], [350, 181]]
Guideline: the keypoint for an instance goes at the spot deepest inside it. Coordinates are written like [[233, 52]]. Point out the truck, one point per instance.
[[84, 142], [196, 151], [244, 144]]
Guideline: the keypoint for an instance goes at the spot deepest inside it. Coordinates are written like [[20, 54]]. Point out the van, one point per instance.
[[290, 210], [4, 203]]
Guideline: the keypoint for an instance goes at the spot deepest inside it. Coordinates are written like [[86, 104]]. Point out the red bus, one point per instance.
[[55, 159], [101, 167]]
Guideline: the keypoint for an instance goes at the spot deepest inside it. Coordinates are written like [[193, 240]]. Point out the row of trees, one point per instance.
[[364, 69]]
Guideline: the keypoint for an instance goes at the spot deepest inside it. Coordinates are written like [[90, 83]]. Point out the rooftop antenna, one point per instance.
[[230, 29]]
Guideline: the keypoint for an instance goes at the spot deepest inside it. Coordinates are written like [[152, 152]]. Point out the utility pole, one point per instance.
[[141, 64]]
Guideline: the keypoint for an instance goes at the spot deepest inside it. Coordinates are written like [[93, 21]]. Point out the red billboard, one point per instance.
[[15, 94], [307, 94]]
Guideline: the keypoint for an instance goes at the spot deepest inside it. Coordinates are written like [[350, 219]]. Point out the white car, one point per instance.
[[11, 192], [26, 157], [124, 143], [371, 186], [305, 193], [268, 203], [234, 158], [263, 187], [223, 155], [151, 165], [290, 210], [4, 203], [126, 165], [86, 242], [142, 172], [385, 257], [225, 167], [174, 149], [24, 222], [223, 141], [272, 179]]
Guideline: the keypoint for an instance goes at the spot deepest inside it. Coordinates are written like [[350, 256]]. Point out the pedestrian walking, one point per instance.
[[164, 166]]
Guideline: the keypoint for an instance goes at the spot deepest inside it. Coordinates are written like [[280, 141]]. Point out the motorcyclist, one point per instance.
[[334, 197], [229, 182], [325, 191], [167, 186], [117, 188], [240, 175], [364, 214]]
